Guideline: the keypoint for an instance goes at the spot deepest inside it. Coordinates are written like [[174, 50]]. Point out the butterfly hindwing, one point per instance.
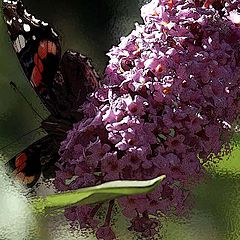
[[26, 166]]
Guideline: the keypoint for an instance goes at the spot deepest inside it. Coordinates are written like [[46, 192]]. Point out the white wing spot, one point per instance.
[[26, 27], [54, 33], [19, 43], [20, 20], [44, 23], [89, 63], [95, 73], [26, 13], [22, 41], [9, 22], [82, 56], [34, 37], [35, 20], [15, 45]]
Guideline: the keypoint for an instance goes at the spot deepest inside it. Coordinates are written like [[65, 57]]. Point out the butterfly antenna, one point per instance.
[[18, 139], [16, 89]]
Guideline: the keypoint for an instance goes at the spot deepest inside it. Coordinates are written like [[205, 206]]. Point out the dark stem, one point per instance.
[[109, 213], [95, 209]]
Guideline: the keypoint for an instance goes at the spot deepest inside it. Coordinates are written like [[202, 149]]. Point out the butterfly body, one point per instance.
[[61, 82]]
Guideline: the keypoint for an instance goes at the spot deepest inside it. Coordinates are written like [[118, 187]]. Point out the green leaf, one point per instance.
[[89, 195]]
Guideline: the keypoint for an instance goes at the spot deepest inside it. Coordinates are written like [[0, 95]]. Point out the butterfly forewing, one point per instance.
[[37, 46]]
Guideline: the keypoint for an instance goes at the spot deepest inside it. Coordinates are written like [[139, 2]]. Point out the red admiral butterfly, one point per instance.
[[62, 84]]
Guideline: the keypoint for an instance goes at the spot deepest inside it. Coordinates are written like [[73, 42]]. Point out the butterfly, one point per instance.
[[62, 82]]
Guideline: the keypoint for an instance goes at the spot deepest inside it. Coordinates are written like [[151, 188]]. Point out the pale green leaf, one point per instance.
[[89, 195]]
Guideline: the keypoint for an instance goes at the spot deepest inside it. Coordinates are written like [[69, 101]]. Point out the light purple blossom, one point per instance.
[[170, 97]]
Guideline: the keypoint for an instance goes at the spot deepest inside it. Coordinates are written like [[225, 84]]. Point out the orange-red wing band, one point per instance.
[[36, 76], [43, 49], [20, 162]]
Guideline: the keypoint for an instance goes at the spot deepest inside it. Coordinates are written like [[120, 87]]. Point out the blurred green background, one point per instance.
[[92, 27]]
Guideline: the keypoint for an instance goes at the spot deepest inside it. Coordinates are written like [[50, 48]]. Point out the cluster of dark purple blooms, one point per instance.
[[168, 104]]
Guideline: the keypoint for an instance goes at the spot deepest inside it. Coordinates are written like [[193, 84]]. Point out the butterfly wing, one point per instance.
[[62, 88], [26, 166], [37, 47], [79, 78]]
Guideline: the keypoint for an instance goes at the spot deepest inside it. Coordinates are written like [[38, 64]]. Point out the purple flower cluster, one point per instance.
[[168, 104]]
